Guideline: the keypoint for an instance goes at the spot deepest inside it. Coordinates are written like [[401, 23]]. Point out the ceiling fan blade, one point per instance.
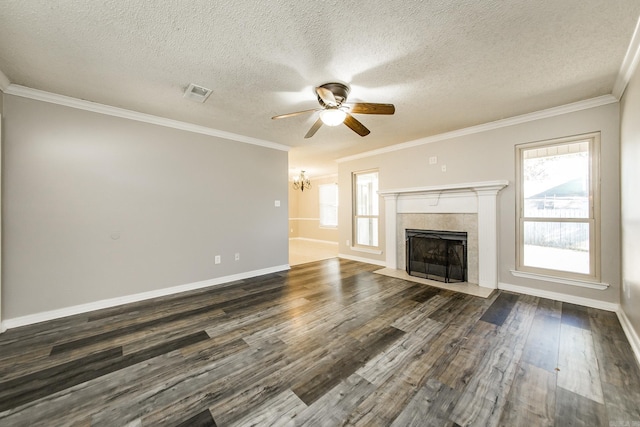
[[314, 128], [284, 116], [356, 126], [371, 108], [327, 96]]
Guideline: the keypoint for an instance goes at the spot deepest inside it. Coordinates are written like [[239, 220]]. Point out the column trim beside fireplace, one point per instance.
[[471, 197]]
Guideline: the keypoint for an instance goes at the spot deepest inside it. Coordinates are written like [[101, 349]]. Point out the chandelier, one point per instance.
[[301, 182]]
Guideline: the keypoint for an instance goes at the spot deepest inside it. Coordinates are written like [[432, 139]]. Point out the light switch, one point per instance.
[[277, 203]]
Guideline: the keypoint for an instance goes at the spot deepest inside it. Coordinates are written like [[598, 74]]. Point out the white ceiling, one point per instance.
[[445, 64]]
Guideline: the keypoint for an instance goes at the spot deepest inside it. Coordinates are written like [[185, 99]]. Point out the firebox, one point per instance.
[[437, 255]]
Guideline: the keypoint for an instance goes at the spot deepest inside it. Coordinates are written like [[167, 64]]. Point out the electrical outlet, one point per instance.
[[237, 256], [276, 203], [444, 168], [217, 259], [348, 243]]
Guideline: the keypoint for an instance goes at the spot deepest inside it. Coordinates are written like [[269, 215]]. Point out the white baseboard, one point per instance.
[[631, 333], [314, 240], [587, 302], [112, 302], [360, 259]]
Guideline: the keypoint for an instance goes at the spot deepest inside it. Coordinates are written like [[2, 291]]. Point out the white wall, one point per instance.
[[630, 179], [74, 179], [488, 156], [2, 328]]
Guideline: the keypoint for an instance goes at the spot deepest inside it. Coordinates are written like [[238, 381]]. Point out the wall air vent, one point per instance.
[[197, 93]]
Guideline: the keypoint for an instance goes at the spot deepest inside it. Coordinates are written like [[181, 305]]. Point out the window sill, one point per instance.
[[561, 280], [366, 250]]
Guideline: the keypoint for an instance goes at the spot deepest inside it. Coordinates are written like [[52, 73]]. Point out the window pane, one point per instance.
[[328, 195], [366, 205], [556, 181], [328, 216], [367, 194], [367, 231], [557, 246]]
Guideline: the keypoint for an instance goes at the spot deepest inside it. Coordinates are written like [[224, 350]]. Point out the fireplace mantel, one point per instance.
[[471, 197], [468, 186]]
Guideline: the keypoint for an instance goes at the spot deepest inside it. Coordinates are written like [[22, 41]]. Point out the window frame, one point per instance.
[[593, 218], [330, 205], [355, 216]]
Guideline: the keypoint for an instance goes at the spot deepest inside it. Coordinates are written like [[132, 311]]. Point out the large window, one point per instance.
[[366, 209], [328, 194], [558, 207]]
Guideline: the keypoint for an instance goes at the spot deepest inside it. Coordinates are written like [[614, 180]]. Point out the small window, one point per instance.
[[366, 208], [328, 194], [558, 207]]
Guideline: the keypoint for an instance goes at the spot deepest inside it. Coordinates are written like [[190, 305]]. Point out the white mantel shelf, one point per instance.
[[468, 186], [470, 197]]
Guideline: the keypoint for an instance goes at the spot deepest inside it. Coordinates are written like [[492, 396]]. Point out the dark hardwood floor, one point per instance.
[[327, 343]]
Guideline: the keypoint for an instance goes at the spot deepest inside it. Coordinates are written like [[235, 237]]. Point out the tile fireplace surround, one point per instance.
[[468, 198]]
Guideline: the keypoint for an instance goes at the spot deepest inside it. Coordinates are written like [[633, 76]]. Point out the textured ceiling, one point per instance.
[[445, 64]]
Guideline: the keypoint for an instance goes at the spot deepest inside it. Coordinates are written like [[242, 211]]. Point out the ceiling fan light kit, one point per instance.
[[332, 117], [334, 110]]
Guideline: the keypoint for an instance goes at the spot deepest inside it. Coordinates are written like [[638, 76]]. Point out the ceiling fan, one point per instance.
[[335, 110]]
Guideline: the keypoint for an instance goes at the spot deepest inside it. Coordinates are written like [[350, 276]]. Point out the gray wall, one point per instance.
[[176, 199], [488, 156], [630, 177]]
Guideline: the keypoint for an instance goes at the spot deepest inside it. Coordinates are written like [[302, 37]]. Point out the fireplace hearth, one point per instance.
[[437, 255]]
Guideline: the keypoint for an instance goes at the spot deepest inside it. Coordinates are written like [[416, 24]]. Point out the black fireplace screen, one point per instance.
[[437, 255]]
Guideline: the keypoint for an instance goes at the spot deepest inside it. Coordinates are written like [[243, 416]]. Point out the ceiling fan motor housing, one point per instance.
[[339, 90]]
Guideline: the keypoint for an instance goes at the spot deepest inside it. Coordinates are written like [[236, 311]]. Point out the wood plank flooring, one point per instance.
[[327, 343]]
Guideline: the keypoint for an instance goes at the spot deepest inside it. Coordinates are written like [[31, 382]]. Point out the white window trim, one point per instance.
[[558, 276], [561, 280]]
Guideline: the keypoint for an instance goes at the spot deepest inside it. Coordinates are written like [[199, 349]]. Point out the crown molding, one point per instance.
[[4, 82], [629, 64], [108, 110], [511, 121]]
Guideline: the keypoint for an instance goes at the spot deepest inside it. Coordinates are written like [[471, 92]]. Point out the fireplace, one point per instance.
[[477, 198], [437, 255]]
